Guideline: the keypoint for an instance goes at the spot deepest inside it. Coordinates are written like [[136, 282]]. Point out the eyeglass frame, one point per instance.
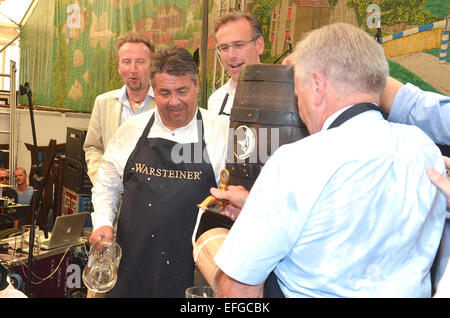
[[233, 45]]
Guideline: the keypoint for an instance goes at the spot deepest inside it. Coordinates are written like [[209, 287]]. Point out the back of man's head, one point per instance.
[[346, 55]]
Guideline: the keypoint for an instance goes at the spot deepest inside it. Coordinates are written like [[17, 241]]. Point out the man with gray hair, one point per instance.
[[160, 192], [348, 211]]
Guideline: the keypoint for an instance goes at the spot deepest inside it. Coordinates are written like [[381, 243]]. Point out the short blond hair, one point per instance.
[[20, 168], [134, 37]]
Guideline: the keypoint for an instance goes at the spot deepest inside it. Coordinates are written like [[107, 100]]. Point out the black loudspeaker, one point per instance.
[[74, 144], [75, 176]]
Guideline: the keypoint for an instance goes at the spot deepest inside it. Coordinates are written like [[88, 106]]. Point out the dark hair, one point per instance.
[[239, 15], [174, 60]]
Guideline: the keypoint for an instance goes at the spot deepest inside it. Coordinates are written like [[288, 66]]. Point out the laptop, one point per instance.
[[67, 230]]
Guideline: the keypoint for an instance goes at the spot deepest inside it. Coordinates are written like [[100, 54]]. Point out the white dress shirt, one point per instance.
[[127, 111], [345, 212], [216, 99], [109, 184]]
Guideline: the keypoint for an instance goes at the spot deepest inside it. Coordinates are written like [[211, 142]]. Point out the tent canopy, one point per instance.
[[13, 15]]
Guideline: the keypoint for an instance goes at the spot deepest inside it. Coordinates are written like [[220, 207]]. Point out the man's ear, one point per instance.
[[319, 84], [259, 42]]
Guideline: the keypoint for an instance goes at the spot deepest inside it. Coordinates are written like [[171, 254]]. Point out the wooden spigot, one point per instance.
[[211, 200]]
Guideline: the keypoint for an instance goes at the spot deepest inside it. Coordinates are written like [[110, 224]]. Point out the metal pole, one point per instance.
[[204, 54], [11, 42], [12, 118]]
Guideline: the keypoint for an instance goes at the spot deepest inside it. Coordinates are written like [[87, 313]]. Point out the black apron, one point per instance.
[[271, 286], [158, 216], [224, 103]]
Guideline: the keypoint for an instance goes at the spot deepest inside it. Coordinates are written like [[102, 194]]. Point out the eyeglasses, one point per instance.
[[239, 45], [4, 178]]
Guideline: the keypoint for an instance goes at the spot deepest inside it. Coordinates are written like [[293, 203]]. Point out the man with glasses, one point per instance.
[[239, 42], [9, 191]]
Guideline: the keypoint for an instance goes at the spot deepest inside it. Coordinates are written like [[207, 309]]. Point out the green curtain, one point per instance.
[[36, 46], [68, 54]]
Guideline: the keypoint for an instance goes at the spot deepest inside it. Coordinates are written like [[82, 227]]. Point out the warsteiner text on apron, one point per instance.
[[157, 218]]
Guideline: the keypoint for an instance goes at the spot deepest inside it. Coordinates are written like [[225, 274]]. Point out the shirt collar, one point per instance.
[[330, 119], [231, 89], [188, 127], [121, 94]]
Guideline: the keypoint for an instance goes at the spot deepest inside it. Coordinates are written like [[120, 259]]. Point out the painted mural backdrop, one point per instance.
[[68, 45], [68, 54]]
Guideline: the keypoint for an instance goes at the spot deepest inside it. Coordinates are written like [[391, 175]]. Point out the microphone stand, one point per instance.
[[37, 186]]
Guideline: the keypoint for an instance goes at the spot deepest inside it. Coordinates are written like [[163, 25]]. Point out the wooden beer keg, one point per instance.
[[264, 117]]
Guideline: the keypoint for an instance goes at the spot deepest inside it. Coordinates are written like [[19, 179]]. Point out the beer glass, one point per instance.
[[100, 274], [200, 292]]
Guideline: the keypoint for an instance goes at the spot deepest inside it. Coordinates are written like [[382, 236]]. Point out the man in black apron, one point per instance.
[[160, 193]]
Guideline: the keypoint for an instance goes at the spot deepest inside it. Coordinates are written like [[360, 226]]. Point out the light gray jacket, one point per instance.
[[105, 119]]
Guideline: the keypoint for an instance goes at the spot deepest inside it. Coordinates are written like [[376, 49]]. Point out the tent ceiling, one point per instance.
[[13, 15]]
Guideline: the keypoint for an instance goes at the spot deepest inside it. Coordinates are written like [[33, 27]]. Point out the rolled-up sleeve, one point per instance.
[[427, 110], [106, 194], [108, 188]]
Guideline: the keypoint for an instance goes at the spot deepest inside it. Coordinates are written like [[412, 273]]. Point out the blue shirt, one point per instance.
[[25, 198], [127, 111], [346, 212], [427, 110]]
